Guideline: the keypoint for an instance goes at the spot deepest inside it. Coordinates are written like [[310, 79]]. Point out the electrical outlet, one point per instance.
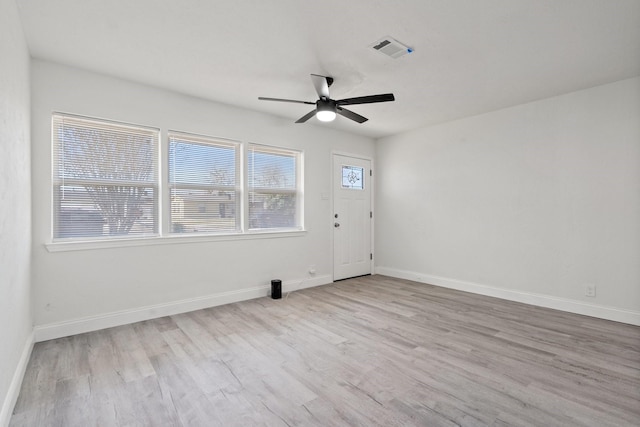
[[590, 290]]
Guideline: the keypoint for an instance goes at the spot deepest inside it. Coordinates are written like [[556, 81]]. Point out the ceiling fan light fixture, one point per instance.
[[325, 111], [326, 115]]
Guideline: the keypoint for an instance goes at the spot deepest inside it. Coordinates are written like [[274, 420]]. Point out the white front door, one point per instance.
[[351, 217]]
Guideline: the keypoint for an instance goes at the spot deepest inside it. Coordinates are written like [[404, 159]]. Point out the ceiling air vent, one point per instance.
[[391, 47]]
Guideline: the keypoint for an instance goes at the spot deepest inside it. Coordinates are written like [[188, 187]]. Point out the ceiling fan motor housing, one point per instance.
[[326, 109], [326, 105]]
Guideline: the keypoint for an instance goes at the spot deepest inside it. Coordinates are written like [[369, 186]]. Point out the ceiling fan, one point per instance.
[[327, 108]]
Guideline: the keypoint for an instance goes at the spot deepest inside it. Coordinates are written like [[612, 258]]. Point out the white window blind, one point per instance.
[[204, 184], [104, 179], [274, 188]]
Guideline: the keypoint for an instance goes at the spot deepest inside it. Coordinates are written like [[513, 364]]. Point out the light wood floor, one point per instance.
[[371, 351]]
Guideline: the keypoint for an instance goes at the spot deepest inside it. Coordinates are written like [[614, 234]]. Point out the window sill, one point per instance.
[[83, 245]]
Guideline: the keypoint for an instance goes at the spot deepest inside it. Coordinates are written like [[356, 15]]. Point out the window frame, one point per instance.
[[298, 190], [237, 188], [57, 120], [162, 193], [362, 177]]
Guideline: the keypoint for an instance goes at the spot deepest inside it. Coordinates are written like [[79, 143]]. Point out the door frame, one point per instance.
[[371, 196]]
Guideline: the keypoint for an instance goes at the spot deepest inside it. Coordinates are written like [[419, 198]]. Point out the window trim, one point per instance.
[[162, 187], [124, 242], [237, 188], [57, 182], [298, 190]]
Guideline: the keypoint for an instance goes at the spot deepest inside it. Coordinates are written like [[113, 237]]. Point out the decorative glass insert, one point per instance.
[[353, 177]]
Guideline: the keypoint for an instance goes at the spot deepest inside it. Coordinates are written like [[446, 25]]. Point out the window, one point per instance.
[[274, 185], [203, 181], [107, 183], [104, 179], [353, 177]]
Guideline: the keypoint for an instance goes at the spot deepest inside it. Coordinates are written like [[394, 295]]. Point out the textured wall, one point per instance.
[[73, 285], [542, 198], [15, 203]]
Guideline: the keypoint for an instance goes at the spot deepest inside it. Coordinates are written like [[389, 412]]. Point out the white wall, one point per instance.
[[73, 289], [529, 203], [15, 208]]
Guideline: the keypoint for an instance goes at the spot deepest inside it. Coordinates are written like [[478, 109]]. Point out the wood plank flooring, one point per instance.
[[371, 351]]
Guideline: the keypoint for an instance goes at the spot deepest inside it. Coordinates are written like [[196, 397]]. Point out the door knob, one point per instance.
[[336, 224]]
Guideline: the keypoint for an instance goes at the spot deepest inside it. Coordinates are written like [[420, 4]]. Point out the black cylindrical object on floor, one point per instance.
[[276, 289]]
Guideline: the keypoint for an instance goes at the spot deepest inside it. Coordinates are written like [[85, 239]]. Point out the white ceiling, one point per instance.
[[471, 56]]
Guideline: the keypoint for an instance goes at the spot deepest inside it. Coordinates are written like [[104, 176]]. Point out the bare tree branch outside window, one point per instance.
[[114, 167]]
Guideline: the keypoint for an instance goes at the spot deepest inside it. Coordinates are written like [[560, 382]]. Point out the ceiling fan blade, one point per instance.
[[306, 116], [321, 85], [262, 98], [351, 115], [367, 99]]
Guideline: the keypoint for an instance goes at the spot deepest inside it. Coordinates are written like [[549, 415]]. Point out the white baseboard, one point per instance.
[[93, 323], [557, 303], [16, 382]]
